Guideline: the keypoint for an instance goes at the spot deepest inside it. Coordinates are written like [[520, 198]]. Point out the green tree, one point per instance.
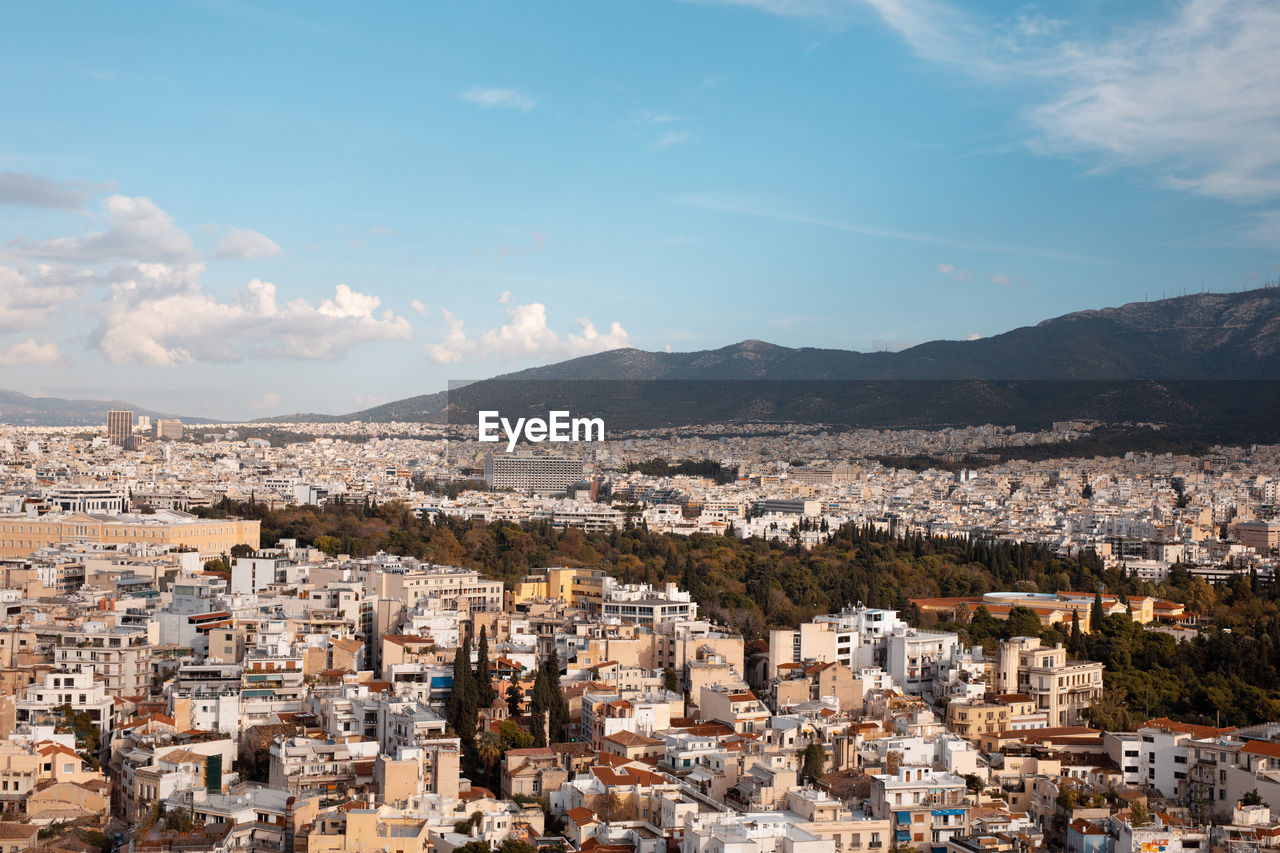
[[484, 678], [489, 749], [1023, 622], [670, 681], [462, 710], [1076, 644], [515, 696], [814, 763], [1095, 613], [511, 845]]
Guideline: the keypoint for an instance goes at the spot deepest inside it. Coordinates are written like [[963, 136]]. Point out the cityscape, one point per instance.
[[694, 426]]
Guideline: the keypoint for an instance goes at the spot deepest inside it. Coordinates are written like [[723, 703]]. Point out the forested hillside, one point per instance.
[[1228, 673]]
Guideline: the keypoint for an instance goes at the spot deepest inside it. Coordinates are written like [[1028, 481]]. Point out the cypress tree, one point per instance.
[[1076, 642], [463, 708], [558, 711], [514, 695], [484, 678], [1095, 615]]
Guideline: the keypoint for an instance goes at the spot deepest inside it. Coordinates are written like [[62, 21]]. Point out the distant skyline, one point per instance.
[[223, 209]]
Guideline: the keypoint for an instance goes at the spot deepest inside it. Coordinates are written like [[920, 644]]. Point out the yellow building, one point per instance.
[[977, 717], [21, 535], [576, 587]]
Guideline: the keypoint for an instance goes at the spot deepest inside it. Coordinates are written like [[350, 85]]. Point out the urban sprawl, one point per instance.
[[171, 681]]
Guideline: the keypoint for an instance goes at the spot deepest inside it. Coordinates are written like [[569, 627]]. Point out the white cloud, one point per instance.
[[953, 271], [525, 335], [36, 191], [505, 297], [418, 306], [137, 230], [670, 138], [30, 296], [1193, 96], [156, 310], [511, 99], [29, 352], [161, 315], [973, 336], [1001, 279], [245, 243]]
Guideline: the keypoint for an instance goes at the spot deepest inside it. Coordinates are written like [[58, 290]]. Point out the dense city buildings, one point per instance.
[[171, 676]]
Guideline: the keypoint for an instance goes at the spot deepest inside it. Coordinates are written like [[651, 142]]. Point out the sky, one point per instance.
[[236, 210]]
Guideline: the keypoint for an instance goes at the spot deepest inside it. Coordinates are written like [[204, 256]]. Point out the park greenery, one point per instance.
[[1225, 673]]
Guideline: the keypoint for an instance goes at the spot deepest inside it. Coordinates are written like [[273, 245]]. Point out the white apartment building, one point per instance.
[[79, 690]]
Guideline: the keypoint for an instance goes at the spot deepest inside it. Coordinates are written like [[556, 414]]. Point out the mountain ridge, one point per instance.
[[1209, 336], [25, 410]]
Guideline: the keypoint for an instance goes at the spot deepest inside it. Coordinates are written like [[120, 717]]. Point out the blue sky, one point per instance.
[[236, 210]]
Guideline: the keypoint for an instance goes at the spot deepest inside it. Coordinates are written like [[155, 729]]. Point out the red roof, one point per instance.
[[1262, 747]]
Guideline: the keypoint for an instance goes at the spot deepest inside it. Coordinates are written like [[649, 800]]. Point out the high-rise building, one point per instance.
[[169, 428], [119, 427], [525, 472]]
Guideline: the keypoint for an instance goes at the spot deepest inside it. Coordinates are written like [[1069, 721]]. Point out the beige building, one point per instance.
[[828, 818], [533, 772], [366, 829], [1262, 536], [810, 641], [974, 718], [120, 659], [799, 683], [21, 535], [1063, 690]]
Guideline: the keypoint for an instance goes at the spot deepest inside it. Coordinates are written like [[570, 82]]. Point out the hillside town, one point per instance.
[[169, 681]]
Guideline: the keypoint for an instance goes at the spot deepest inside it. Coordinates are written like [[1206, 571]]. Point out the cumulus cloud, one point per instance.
[[30, 352], [418, 306], [245, 243], [1001, 279], [973, 336], [511, 99], [525, 335], [505, 297], [30, 296], [164, 317], [137, 230], [35, 191], [953, 271], [156, 310]]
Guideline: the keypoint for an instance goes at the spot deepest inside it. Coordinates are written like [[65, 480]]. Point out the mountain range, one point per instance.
[[22, 410], [1163, 360]]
